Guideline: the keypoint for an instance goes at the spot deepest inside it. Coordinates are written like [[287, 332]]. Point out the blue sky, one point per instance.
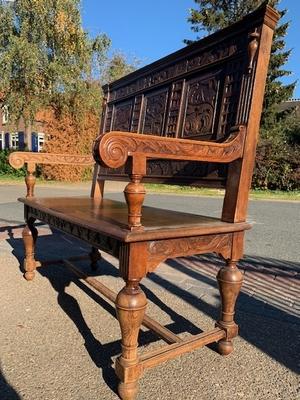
[[152, 29]]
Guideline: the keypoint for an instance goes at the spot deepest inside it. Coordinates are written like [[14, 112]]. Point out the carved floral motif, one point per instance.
[[200, 107]]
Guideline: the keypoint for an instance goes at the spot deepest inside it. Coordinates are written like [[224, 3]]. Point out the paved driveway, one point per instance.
[[56, 342]]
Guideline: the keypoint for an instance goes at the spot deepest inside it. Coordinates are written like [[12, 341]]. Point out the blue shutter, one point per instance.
[[34, 142], [21, 141], [6, 140]]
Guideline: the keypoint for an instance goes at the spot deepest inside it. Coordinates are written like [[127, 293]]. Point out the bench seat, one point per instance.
[[109, 217]]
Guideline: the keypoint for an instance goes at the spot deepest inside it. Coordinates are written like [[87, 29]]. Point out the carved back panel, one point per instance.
[[199, 93]]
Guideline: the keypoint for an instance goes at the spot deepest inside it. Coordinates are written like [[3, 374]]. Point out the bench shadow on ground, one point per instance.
[[268, 327], [6, 390]]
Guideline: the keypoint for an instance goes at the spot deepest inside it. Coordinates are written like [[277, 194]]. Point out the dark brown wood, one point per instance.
[[230, 281], [131, 303], [29, 234], [191, 117], [95, 256]]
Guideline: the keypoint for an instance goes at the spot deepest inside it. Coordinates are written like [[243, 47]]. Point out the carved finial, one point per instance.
[[252, 48]]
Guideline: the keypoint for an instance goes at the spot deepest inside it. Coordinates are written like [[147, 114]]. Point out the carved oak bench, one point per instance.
[[189, 118]]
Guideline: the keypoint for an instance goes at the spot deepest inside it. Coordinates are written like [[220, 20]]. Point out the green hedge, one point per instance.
[[6, 169], [277, 166]]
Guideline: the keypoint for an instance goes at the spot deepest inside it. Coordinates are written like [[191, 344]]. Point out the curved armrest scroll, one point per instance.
[[112, 149]]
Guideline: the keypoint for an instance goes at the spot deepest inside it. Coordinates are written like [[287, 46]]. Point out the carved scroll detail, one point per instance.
[[112, 149], [160, 250], [200, 106], [17, 159]]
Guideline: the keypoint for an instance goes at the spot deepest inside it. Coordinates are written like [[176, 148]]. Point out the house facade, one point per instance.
[[14, 139]]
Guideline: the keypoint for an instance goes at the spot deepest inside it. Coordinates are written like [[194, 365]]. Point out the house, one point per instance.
[[12, 138], [292, 104]]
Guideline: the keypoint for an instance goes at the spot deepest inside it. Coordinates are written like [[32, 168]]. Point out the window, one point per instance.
[[14, 141], [41, 141], [2, 141]]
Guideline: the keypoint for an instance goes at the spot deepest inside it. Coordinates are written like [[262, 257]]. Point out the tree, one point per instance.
[[117, 67], [47, 60], [211, 15]]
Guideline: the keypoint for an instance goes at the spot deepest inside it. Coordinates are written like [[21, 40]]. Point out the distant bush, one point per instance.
[[5, 168], [278, 160]]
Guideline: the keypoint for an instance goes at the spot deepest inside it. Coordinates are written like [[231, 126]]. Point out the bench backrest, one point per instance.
[[199, 92]]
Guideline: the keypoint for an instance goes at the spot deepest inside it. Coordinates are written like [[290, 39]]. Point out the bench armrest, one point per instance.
[[18, 159], [112, 149]]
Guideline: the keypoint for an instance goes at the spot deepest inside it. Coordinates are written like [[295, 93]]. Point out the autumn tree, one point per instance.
[[47, 59]]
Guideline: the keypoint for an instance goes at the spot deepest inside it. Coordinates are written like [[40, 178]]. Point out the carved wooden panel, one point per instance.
[[200, 106], [175, 69], [160, 250], [231, 94], [108, 118], [106, 243], [155, 105], [173, 118], [122, 117], [136, 114]]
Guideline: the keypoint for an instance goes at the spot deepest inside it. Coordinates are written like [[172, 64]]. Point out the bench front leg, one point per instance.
[[230, 281], [131, 304], [29, 235]]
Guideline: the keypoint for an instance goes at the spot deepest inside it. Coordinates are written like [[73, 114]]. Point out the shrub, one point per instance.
[[68, 136], [277, 166], [6, 169]]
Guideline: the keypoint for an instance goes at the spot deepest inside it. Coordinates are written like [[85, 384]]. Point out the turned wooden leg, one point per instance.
[[29, 234], [230, 281], [95, 256], [130, 304]]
